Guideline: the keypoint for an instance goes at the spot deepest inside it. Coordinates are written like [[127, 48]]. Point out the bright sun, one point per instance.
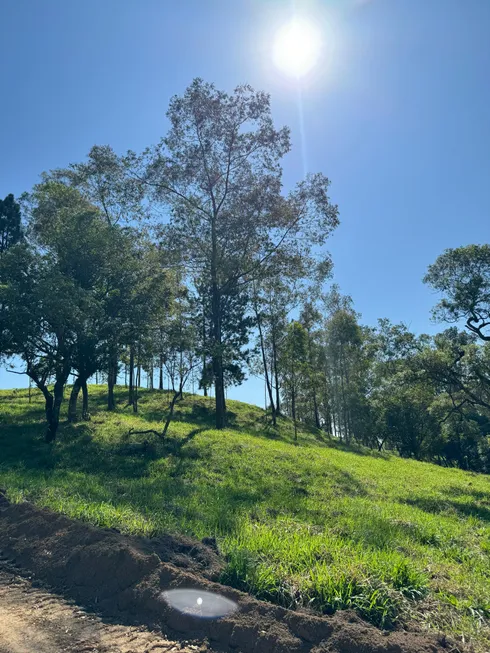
[[297, 47]]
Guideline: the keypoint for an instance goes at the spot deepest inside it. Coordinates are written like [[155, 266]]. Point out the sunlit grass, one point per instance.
[[300, 524]]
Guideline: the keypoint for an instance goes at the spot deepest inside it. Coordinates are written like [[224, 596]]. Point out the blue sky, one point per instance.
[[396, 114]]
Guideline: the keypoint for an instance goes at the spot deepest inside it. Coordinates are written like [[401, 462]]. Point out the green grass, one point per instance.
[[310, 524]]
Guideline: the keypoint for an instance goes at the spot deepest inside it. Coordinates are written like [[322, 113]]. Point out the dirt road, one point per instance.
[[33, 620]]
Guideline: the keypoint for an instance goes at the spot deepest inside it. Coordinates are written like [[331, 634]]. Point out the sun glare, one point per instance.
[[297, 47]]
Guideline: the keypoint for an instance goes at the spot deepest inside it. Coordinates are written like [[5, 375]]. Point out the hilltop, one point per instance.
[[312, 523]]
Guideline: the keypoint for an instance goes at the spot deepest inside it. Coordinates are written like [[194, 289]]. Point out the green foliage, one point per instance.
[[76, 285], [10, 223], [372, 600], [406, 578], [462, 275], [104, 181], [385, 387], [218, 170], [310, 523]]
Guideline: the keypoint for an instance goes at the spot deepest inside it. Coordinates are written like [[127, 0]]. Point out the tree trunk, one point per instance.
[[204, 358], [334, 424], [131, 376], [264, 362], [350, 430], [315, 409], [85, 413], [111, 382], [344, 403], [52, 401], [218, 359], [276, 372], [72, 405], [217, 353], [53, 409], [293, 410], [171, 411], [160, 380], [328, 412], [137, 385]]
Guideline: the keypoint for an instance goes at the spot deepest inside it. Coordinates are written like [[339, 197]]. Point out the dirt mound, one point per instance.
[[183, 552], [33, 620], [121, 575]]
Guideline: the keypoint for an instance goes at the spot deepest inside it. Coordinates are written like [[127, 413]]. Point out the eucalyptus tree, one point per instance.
[[286, 279], [310, 319], [218, 173], [103, 180], [294, 362]]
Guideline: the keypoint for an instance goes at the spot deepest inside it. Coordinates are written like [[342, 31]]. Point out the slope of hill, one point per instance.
[[308, 523]]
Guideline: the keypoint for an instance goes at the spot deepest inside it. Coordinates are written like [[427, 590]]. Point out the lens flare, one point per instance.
[[199, 603]]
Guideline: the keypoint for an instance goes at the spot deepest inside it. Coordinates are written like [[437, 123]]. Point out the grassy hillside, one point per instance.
[[308, 523]]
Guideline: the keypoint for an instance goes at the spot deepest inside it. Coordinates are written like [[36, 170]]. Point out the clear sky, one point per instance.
[[396, 114]]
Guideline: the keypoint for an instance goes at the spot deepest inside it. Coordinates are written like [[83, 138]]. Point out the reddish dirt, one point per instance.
[[123, 578]]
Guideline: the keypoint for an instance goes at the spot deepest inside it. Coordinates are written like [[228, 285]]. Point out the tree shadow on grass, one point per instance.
[[469, 492], [86, 473], [198, 411], [95, 477], [379, 532], [26, 416], [22, 447], [94, 473], [345, 482], [358, 449], [450, 506]]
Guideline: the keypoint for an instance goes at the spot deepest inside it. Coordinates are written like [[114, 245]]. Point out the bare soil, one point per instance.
[[122, 578], [33, 620]]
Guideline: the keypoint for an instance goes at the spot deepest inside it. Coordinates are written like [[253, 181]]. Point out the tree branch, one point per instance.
[[133, 432]]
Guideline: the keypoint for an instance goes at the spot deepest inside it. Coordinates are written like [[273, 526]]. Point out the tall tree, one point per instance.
[[310, 319], [218, 170]]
